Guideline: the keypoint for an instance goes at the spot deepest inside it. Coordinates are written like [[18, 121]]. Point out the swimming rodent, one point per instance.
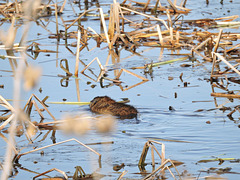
[[106, 105]]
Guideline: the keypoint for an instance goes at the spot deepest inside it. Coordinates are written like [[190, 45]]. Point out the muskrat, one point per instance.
[[106, 105]]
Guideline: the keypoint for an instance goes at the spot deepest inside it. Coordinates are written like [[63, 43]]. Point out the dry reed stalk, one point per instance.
[[44, 27], [45, 136], [108, 142], [150, 176], [66, 68], [52, 122], [180, 7], [233, 111], [152, 154], [4, 103], [156, 6], [7, 122], [73, 139], [126, 41], [63, 22], [161, 156], [143, 155], [183, 3], [160, 35], [8, 39], [162, 151], [104, 27], [16, 104], [171, 35], [225, 95], [116, 16], [16, 6], [115, 37], [91, 77], [144, 35], [53, 169], [37, 108], [79, 17], [28, 105], [77, 55], [6, 140], [170, 172], [138, 3], [10, 57], [79, 174], [133, 74], [148, 144], [111, 26], [169, 18], [122, 174], [204, 57], [44, 106], [4, 118], [153, 172], [172, 5], [228, 18], [232, 48], [108, 57], [138, 32], [85, 37], [123, 18], [177, 37], [230, 68], [226, 62], [160, 5], [203, 43], [218, 40], [56, 17], [98, 61], [63, 5], [219, 86], [77, 89], [146, 5], [157, 19], [18, 75]]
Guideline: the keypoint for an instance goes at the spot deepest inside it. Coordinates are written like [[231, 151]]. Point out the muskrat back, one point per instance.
[[106, 105]]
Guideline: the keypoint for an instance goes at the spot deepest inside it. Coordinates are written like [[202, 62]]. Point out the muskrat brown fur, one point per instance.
[[106, 105]]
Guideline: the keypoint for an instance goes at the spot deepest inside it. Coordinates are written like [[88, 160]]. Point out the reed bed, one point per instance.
[[159, 27]]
